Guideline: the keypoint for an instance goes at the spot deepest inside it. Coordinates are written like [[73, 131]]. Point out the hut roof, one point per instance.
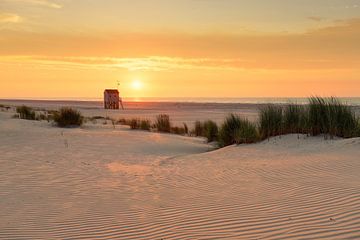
[[111, 91]]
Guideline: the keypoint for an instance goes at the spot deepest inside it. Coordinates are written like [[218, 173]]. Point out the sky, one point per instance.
[[171, 48]]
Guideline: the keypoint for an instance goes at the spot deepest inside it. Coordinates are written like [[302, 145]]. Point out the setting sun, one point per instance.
[[136, 85]]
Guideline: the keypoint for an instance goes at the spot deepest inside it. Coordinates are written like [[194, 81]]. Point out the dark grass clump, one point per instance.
[[331, 117], [178, 130], [163, 123], [68, 117], [295, 119], [207, 129], [123, 121], [210, 131], [51, 114], [199, 129], [186, 128], [134, 124], [271, 118], [42, 117], [26, 113], [236, 130], [145, 125], [138, 124], [318, 116], [247, 133], [357, 132], [327, 116]]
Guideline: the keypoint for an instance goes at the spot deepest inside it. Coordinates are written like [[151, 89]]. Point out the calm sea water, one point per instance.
[[355, 101], [348, 100]]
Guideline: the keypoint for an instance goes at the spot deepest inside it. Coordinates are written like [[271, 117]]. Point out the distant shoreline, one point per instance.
[[353, 101]]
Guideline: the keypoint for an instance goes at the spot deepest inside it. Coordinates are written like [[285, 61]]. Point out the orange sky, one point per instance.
[[207, 48]]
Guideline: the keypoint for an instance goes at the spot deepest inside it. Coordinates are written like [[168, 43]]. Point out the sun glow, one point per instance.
[[136, 85]]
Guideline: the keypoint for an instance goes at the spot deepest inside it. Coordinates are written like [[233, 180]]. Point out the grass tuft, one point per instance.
[[163, 123], [145, 125], [210, 130], [26, 113], [236, 130], [134, 123], [271, 118], [68, 117], [331, 117]]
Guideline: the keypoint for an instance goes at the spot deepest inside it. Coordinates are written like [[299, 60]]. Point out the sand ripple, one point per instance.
[[282, 189]]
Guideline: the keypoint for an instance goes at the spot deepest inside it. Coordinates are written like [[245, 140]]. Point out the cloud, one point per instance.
[[41, 3], [153, 63], [332, 47], [316, 19], [9, 18]]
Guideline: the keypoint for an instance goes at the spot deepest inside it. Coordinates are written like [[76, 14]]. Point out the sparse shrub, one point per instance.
[[51, 114], [210, 130], [145, 125], [304, 124], [318, 116], [134, 123], [271, 121], [207, 129], [247, 133], [236, 130], [357, 134], [26, 113], [124, 121], [178, 130], [199, 129], [330, 116], [163, 123], [295, 119], [186, 129], [41, 117], [68, 117]]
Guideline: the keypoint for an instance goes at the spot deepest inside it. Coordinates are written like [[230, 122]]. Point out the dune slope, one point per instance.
[[99, 182]]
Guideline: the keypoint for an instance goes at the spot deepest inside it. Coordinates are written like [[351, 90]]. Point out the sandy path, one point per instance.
[[102, 183]]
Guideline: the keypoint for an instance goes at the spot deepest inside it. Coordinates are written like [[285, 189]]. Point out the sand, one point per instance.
[[179, 112], [97, 182]]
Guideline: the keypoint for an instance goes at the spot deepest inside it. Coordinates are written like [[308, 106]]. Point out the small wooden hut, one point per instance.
[[112, 99]]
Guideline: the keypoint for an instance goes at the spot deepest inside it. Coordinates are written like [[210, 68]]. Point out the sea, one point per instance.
[[354, 101]]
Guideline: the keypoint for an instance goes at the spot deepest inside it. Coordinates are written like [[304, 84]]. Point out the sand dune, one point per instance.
[[102, 183]]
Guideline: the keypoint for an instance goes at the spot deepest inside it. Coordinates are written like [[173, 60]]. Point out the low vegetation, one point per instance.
[[236, 130], [68, 117], [178, 130], [271, 121], [327, 116], [322, 116], [145, 125], [208, 129], [136, 124], [162, 123], [331, 117], [25, 112]]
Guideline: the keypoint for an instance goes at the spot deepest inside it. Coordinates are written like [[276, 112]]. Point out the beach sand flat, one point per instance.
[[97, 182]]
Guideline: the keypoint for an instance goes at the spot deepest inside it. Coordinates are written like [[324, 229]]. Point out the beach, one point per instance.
[[105, 182], [179, 112]]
